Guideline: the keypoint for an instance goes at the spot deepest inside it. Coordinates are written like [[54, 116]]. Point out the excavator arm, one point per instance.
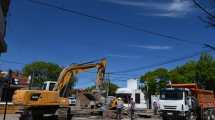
[[68, 73], [36, 103]]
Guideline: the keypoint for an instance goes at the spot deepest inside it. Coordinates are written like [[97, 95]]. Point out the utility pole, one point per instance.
[[9, 80], [108, 85], [31, 80]]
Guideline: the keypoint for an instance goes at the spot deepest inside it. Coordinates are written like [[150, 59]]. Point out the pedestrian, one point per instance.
[[155, 106], [119, 106], [132, 108]]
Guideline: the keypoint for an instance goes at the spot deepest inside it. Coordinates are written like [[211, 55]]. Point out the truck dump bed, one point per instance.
[[205, 97]]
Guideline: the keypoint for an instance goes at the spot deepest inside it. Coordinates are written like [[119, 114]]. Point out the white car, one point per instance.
[[72, 100]]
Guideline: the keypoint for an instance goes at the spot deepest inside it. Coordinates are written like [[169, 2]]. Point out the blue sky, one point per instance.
[[36, 32]]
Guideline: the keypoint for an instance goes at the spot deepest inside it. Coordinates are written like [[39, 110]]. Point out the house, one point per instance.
[[18, 81], [132, 91]]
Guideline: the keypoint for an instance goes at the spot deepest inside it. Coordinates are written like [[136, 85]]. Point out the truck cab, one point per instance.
[[175, 103]]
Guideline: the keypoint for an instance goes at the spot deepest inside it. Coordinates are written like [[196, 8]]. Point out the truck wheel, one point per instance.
[[164, 118], [212, 115], [207, 115], [192, 116]]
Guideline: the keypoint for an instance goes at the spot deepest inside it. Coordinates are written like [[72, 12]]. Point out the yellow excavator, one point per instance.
[[36, 104]]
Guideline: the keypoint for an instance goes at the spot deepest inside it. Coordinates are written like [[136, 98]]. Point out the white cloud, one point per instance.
[[122, 56], [180, 6], [170, 8], [133, 3], [170, 14], [153, 47]]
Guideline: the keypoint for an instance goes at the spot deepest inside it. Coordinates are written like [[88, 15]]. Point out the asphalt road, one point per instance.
[[16, 117], [96, 118]]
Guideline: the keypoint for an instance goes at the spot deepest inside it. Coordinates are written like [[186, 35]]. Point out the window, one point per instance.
[[44, 86], [137, 98], [171, 94], [186, 98], [51, 87]]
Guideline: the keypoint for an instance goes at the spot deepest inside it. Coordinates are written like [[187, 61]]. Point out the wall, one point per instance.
[[132, 84]]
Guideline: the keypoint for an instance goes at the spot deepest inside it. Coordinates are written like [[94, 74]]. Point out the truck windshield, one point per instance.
[[171, 94]]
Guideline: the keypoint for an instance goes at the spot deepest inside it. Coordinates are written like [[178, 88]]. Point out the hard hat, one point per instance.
[[119, 98]]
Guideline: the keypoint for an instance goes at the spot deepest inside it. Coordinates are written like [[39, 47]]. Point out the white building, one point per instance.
[[132, 91]]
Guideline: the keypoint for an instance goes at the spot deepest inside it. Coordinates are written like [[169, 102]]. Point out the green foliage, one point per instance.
[[184, 74], [188, 71], [206, 71], [42, 71], [201, 72], [112, 88], [155, 80]]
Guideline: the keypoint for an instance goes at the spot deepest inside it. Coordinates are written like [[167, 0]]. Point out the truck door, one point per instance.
[[188, 102]]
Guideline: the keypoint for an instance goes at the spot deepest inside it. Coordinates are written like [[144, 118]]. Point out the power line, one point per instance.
[[124, 74], [121, 77], [116, 74], [161, 63], [209, 46], [17, 62], [114, 22], [203, 9]]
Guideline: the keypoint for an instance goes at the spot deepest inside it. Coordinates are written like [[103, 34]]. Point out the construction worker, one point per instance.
[[92, 106], [132, 108], [119, 107], [155, 106], [113, 104]]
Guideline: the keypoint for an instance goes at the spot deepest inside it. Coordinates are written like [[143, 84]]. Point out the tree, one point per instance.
[[155, 80], [206, 71], [176, 77], [112, 88], [42, 71], [184, 74], [188, 70], [207, 6]]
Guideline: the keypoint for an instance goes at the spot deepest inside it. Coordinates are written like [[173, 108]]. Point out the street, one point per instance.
[[140, 59], [16, 117]]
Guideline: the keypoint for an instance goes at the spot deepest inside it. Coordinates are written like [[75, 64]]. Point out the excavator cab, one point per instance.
[[48, 85]]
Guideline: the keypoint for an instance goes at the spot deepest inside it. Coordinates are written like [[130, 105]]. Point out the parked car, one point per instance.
[[72, 100]]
